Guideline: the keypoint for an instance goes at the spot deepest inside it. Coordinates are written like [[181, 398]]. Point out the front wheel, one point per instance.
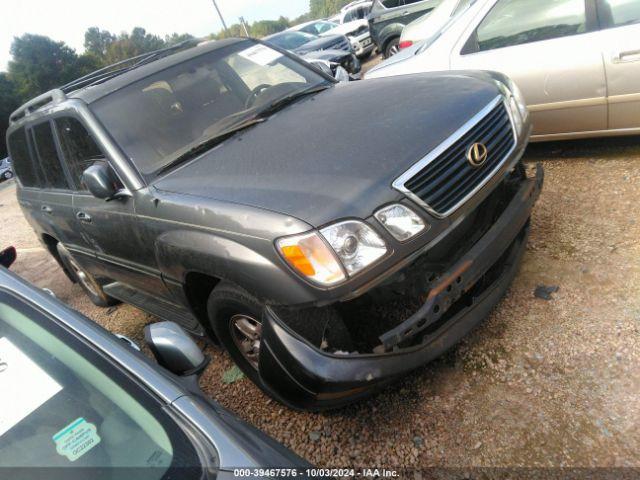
[[392, 48], [87, 282], [7, 175], [236, 318]]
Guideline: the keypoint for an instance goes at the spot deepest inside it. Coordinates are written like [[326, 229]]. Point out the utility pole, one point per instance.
[[221, 17], [244, 26]]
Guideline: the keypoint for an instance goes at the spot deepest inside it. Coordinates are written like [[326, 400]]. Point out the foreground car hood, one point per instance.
[[335, 155]]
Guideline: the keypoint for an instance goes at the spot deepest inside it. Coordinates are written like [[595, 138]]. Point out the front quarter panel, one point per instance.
[[223, 240]]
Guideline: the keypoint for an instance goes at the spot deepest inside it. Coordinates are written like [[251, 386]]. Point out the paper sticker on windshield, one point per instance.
[[260, 54], [24, 386], [76, 439]]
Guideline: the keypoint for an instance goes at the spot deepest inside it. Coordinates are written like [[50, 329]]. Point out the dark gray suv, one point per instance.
[[216, 187]]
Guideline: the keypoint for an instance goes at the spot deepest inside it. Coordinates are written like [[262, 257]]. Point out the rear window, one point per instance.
[[22, 162], [48, 156]]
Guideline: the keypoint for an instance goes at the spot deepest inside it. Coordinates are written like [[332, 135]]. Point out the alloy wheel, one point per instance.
[[246, 332]]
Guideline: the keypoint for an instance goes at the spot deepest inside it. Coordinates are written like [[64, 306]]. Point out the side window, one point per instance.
[[516, 22], [619, 13], [22, 162], [388, 4], [48, 157], [78, 147], [350, 16]]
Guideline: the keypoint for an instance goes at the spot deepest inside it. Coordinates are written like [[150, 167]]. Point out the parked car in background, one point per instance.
[[6, 172], [77, 400], [430, 24], [388, 17], [234, 189], [333, 48], [357, 32], [576, 61]]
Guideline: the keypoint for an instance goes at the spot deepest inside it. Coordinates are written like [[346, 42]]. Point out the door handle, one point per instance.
[[83, 217], [626, 56], [46, 209]]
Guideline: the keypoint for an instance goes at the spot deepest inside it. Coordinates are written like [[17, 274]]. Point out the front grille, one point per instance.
[[448, 180], [342, 44]]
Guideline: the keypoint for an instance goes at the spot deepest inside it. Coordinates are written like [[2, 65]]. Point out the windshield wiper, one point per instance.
[[210, 143], [282, 102], [260, 116]]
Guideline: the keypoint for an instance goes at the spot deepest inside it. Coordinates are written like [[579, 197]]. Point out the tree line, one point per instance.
[[39, 63]]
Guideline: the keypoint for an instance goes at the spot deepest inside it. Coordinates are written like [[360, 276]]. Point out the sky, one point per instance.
[[67, 20]]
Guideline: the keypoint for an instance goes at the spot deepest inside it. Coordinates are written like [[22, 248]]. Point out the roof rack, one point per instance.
[[99, 76], [53, 96], [111, 71]]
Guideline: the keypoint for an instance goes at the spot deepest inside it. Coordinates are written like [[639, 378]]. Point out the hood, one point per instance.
[[335, 154], [401, 56], [338, 42], [349, 28], [329, 55]]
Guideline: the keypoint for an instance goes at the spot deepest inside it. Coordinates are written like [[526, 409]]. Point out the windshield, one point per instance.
[[291, 40], [64, 406], [157, 119], [442, 18]]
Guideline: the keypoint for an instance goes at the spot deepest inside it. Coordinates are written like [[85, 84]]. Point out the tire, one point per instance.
[[87, 282], [392, 47], [7, 175], [232, 314]]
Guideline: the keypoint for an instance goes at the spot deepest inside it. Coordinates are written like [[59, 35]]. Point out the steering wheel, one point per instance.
[[254, 94]]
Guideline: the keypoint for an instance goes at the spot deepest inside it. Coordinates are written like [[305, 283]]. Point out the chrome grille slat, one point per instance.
[[444, 180], [458, 151]]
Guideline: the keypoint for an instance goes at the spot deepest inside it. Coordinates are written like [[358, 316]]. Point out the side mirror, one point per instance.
[[102, 182], [174, 349], [7, 257]]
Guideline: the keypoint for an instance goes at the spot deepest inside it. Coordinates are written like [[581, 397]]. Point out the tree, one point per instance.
[[97, 42], [325, 8], [176, 38], [9, 101], [131, 45], [40, 64]]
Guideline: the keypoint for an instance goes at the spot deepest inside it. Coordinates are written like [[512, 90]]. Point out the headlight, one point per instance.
[[356, 244], [310, 256], [401, 222], [515, 101]]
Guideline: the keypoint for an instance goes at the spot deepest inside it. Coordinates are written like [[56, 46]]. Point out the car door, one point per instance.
[[29, 182], [550, 50], [55, 212], [109, 227], [620, 44]]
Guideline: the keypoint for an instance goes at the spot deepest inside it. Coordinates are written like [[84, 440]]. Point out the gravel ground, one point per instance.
[[539, 384]]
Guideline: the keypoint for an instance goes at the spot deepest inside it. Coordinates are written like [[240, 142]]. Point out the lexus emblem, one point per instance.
[[477, 155]]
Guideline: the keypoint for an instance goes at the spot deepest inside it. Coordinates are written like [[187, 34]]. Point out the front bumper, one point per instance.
[[306, 377]]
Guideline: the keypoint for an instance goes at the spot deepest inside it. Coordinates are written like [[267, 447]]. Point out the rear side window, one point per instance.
[[78, 147], [50, 164], [390, 4], [618, 13], [516, 22], [22, 162]]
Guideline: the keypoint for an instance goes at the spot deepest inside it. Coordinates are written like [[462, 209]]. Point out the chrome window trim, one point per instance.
[[399, 183]]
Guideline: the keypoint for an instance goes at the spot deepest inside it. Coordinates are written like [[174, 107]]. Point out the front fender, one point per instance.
[[388, 32], [181, 252]]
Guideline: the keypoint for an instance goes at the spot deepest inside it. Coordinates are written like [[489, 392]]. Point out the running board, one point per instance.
[[153, 305]]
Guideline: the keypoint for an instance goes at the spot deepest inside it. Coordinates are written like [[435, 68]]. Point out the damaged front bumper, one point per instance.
[[303, 376]]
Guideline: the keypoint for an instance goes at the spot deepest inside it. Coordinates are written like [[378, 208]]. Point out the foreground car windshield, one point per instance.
[[64, 406], [156, 119]]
